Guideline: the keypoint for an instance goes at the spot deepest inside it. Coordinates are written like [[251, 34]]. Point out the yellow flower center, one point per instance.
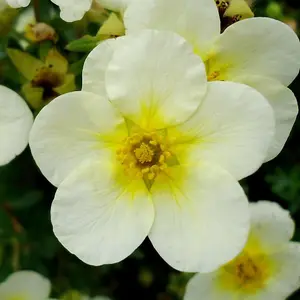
[[247, 273], [144, 155]]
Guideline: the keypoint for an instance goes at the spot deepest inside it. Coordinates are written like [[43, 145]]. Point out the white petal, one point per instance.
[[93, 73], [260, 46], [115, 5], [233, 128], [18, 3], [68, 130], [73, 10], [286, 277], [284, 104], [25, 283], [155, 79], [271, 225], [206, 285], [196, 20], [15, 123], [201, 220], [98, 219]]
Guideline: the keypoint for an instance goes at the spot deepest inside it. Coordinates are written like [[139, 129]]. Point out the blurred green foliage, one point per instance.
[[27, 240]]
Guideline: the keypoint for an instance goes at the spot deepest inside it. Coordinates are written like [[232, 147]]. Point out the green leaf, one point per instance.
[[6, 226], [26, 64], [85, 44], [76, 67]]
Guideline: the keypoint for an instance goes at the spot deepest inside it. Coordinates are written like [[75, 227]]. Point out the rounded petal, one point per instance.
[[271, 225], [73, 10], [206, 285], [259, 46], [25, 283], [155, 79], [95, 65], [18, 3], [201, 218], [98, 219], [233, 128], [196, 20], [15, 123], [72, 128], [286, 278], [284, 104]]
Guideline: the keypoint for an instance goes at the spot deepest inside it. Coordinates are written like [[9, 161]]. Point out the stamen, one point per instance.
[[144, 155]]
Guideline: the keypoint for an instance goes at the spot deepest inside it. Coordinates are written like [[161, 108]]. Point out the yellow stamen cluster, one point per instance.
[[251, 272], [144, 155], [213, 76], [247, 271]]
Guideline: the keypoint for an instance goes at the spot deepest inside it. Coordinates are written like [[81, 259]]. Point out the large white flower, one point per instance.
[[267, 269], [260, 52], [15, 123], [71, 10], [27, 285], [149, 148]]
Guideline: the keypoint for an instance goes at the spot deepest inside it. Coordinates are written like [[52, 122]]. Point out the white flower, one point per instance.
[[267, 269], [260, 52], [27, 285], [15, 123], [71, 10], [132, 155]]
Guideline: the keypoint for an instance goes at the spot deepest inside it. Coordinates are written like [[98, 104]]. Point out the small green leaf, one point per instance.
[[84, 44]]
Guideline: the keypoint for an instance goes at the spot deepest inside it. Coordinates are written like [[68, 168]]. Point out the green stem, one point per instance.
[[36, 7]]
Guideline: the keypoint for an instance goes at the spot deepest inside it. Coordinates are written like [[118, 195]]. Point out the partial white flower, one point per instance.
[[150, 148], [267, 269], [27, 285], [15, 123], [71, 10], [18, 3], [115, 5], [261, 52]]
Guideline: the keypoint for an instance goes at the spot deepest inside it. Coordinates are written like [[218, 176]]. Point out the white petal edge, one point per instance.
[[27, 283], [206, 285], [284, 104], [96, 218], [155, 79], [233, 128], [115, 5], [260, 46], [95, 65], [73, 11], [66, 132], [15, 123], [286, 280], [18, 3], [271, 225], [196, 20], [201, 218]]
